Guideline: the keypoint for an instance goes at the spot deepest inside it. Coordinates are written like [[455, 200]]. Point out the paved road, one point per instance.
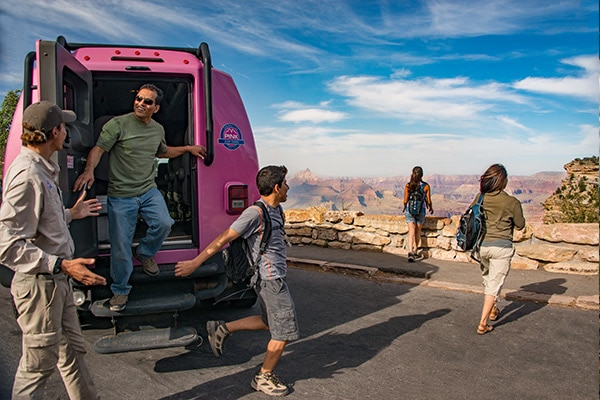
[[361, 339]]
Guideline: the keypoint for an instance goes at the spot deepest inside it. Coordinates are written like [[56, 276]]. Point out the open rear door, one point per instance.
[[65, 81]]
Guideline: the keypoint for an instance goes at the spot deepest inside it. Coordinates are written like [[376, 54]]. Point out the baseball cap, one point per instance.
[[44, 115]]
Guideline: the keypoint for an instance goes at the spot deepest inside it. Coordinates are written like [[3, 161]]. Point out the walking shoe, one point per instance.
[[411, 257], [269, 383], [217, 333], [118, 302], [148, 264]]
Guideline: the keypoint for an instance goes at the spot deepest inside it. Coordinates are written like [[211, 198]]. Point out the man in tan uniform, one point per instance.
[[36, 244]]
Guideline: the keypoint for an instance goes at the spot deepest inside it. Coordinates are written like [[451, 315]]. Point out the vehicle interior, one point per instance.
[[113, 94]]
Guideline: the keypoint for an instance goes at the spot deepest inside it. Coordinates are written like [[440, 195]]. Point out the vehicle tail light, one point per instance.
[[237, 197]]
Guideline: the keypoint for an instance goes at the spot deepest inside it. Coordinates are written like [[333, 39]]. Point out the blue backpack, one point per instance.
[[471, 228], [415, 201]]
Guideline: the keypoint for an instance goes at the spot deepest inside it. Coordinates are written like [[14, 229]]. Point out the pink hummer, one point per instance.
[[201, 106]]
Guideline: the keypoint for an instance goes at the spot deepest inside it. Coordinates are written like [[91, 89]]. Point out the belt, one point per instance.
[[46, 275]]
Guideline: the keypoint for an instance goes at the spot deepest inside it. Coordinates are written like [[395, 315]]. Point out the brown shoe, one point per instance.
[[118, 302], [148, 264]]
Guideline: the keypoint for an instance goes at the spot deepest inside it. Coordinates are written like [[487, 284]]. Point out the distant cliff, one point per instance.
[[451, 194], [576, 199]]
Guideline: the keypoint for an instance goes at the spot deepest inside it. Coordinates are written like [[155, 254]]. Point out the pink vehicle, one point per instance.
[[99, 81]]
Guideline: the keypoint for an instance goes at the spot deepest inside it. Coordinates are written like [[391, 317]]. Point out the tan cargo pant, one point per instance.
[[52, 337], [495, 265]]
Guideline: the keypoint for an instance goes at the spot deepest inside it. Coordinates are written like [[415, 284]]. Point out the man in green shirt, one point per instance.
[[133, 141]]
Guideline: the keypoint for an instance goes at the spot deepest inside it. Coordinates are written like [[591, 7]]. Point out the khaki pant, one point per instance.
[[52, 337], [495, 265]]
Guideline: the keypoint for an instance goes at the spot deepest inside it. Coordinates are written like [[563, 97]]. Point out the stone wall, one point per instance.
[[567, 248]]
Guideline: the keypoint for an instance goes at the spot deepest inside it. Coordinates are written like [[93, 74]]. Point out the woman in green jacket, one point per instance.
[[503, 213]]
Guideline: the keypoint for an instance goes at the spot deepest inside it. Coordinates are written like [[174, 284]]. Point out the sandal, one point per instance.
[[483, 329], [494, 313]]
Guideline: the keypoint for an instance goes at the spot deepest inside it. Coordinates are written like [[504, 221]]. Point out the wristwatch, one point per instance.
[[57, 266]]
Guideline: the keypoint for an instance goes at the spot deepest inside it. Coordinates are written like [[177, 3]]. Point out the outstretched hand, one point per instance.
[[85, 208], [78, 270]]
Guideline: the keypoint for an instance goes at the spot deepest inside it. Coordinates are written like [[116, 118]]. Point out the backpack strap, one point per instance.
[[422, 189], [480, 199], [266, 236], [479, 240]]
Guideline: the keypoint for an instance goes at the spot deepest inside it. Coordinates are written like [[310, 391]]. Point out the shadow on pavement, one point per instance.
[[321, 357], [543, 290]]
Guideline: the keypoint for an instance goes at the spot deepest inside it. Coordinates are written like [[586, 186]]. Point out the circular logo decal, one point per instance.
[[231, 137]]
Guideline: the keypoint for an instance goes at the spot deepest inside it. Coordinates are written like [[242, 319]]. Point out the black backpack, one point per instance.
[[471, 228], [415, 201], [239, 265]]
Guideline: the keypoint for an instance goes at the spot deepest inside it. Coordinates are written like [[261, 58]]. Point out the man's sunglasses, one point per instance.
[[146, 100]]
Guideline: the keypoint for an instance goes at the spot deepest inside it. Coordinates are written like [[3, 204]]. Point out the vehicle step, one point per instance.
[[147, 339], [145, 306]]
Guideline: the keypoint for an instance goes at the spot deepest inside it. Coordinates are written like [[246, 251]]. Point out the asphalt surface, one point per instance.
[[538, 286], [360, 339]]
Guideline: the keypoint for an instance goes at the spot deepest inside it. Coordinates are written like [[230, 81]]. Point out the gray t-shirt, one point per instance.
[[250, 226]]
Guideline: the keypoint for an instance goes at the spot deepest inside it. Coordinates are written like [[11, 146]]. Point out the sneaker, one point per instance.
[[269, 383], [411, 257], [118, 302], [217, 333], [148, 264]]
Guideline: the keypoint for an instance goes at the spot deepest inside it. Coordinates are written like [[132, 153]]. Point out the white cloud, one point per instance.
[[313, 115], [452, 18], [313, 35], [336, 152], [590, 136], [584, 85], [511, 122], [296, 112], [430, 99]]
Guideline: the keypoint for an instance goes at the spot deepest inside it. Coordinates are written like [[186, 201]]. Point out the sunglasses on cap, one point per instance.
[[145, 100]]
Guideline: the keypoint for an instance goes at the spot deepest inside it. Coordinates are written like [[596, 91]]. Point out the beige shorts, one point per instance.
[[495, 264]]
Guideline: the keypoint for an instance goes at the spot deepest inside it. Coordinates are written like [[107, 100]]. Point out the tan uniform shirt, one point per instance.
[[33, 221]]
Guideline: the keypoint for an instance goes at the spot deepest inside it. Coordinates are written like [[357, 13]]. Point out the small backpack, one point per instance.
[[471, 229], [415, 201], [237, 258]]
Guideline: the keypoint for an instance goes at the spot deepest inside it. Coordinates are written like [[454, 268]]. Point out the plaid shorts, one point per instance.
[[278, 311]]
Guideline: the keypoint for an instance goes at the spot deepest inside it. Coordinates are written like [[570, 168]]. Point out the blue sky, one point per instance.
[[369, 88]]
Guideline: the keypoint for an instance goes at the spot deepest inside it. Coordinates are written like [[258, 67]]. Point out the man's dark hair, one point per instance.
[[268, 177], [155, 89]]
